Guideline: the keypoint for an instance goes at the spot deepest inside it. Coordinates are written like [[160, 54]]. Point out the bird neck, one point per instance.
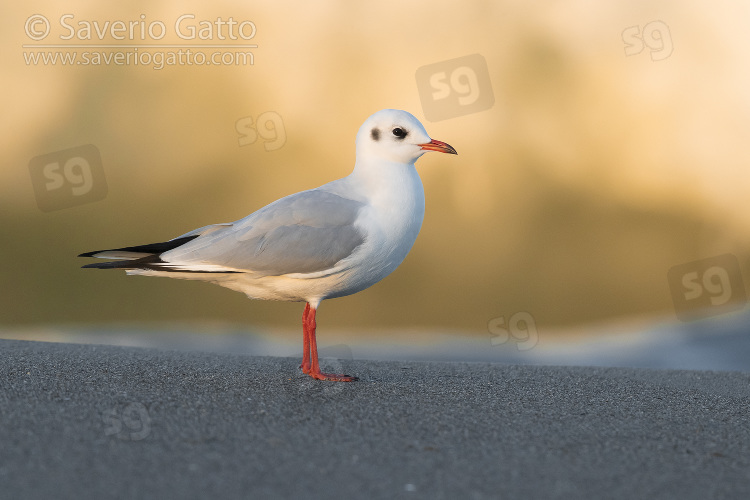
[[389, 184], [382, 174]]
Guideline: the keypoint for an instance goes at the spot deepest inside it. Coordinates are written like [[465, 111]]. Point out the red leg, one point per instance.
[[306, 340], [311, 350]]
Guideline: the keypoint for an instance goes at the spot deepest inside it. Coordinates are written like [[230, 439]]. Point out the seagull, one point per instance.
[[331, 241]]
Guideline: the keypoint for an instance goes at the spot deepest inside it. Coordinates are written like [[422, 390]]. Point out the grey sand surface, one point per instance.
[[92, 421]]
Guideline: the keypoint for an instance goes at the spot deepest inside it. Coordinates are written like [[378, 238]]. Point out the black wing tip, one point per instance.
[[150, 263], [153, 248], [107, 265], [142, 263], [93, 266]]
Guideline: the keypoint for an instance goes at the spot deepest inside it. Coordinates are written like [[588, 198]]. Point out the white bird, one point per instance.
[[331, 241]]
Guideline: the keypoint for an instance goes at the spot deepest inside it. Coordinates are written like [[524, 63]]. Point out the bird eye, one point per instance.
[[399, 132]]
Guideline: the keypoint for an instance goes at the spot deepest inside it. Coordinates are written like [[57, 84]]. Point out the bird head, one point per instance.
[[396, 136]]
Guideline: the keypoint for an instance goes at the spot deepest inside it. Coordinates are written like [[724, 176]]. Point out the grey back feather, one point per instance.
[[302, 233]]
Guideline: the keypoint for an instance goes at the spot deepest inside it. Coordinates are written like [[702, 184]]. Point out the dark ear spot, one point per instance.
[[375, 134]]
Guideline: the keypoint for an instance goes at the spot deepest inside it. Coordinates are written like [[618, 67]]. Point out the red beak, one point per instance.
[[442, 147]]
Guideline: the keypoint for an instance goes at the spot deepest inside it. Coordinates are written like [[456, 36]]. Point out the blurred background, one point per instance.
[[611, 146]]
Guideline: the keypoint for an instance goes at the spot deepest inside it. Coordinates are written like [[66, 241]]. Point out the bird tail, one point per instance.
[[135, 257]]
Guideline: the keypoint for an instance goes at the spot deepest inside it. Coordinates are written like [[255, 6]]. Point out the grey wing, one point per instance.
[[306, 232]]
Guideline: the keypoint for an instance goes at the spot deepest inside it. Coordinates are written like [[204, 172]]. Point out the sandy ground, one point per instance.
[[93, 421]]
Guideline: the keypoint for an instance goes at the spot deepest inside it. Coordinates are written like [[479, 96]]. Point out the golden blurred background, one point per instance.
[[593, 173]]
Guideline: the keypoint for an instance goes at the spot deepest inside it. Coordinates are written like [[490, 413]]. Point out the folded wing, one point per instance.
[[306, 232]]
